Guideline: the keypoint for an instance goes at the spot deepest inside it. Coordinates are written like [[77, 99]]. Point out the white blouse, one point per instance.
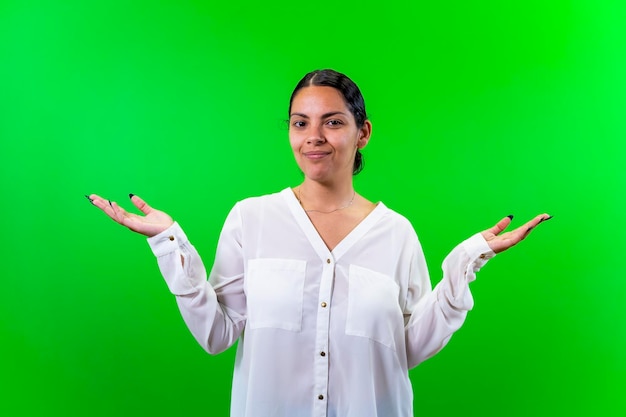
[[321, 333]]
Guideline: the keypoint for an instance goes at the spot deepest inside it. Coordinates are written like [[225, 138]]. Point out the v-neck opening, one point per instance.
[[314, 236]]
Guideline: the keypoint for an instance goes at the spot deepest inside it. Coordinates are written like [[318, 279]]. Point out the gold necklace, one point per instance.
[[326, 212]]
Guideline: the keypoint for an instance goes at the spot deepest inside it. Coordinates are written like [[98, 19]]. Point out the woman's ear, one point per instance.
[[365, 132]]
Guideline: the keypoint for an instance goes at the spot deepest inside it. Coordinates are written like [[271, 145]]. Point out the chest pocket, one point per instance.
[[274, 292], [373, 309]]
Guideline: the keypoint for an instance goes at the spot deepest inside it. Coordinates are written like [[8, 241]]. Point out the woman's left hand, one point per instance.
[[501, 242]]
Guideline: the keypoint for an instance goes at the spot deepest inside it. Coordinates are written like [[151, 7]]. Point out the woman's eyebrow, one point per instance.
[[325, 115], [332, 113]]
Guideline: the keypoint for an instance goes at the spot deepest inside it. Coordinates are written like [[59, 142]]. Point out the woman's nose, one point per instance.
[[315, 140], [315, 136]]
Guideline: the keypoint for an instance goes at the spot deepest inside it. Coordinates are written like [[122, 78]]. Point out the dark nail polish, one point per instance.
[[89, 198], [510, 216], [130, 195], [110, 204]]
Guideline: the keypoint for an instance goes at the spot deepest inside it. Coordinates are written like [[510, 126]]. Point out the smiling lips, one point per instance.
[[315, 154]]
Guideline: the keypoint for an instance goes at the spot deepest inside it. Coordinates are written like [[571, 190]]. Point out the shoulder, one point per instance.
[[256, 202], [265, 206], [255, 209], [397, 224], [394, 217]]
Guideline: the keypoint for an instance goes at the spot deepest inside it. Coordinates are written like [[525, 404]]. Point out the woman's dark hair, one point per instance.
[[351, 95]]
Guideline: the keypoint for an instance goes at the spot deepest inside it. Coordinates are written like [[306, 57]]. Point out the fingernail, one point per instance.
[[130, 196], [89, 198], [110, 204], [510, 216], [547, 218]]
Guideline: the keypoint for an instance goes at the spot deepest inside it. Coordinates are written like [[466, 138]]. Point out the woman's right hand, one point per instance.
[[153, 223]]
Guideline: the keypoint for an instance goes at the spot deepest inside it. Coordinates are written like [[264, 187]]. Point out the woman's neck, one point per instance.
[[325, 198]]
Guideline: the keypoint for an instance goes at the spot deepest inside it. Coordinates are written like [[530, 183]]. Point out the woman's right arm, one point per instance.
[[214, 312]]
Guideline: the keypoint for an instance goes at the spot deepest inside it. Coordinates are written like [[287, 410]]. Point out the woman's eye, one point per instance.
[[334, 122], [298, 123]]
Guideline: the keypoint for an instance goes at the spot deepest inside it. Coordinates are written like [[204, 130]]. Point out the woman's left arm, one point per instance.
[[433, 316]]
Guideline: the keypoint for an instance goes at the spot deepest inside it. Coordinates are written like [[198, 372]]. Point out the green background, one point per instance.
[[480, 110]]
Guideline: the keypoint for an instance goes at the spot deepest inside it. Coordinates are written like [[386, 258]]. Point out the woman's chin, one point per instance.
[[318, 173]]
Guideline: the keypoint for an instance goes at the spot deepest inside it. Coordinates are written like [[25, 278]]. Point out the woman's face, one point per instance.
[[323, 134]]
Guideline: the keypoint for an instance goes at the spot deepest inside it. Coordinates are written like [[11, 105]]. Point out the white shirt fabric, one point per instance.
[[321, 333]]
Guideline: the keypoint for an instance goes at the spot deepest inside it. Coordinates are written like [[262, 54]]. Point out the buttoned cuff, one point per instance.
[[168, 240], [478, 251]]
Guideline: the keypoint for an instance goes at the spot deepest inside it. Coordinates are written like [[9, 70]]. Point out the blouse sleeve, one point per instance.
[[213, 310], [433, 316]]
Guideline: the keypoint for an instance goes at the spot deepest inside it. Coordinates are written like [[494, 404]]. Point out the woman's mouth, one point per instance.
[[315, 154]]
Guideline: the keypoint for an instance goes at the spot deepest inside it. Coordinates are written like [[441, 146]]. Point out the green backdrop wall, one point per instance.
[[480, 110]]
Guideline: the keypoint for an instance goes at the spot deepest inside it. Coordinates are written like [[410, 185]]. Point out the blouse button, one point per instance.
[[320, 397], [323, 304], [171, 237], [328, 260], [483, 256], [322, 353]]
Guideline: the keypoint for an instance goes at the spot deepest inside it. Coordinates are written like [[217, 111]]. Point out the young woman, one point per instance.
[[327, 292]]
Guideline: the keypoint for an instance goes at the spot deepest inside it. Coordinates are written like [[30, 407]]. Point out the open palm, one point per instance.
[[499, 242], [151, 223]]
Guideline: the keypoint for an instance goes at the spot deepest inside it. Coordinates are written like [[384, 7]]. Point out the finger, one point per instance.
[[517, 235], [501, 225], [110, 208], [529, 226], [130, 220], [140, 204], [101, 203], [94, 197], [119, 214]]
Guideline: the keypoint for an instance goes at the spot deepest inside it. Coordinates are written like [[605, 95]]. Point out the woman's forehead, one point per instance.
[[315, 97]]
